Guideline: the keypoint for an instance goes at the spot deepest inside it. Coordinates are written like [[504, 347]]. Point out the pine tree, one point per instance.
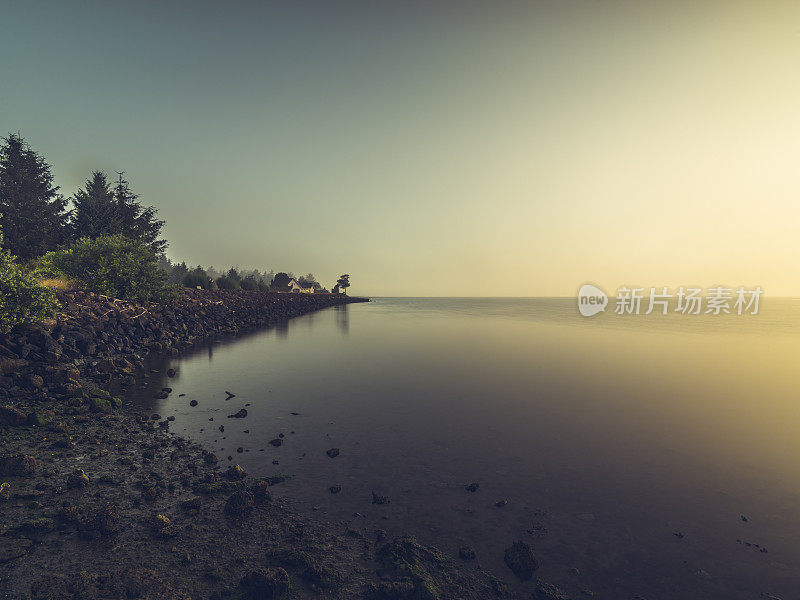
[[34, 214], [136, 221], [94, 213]]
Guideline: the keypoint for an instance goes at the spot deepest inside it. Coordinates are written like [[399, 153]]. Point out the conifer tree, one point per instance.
[[34, 214]]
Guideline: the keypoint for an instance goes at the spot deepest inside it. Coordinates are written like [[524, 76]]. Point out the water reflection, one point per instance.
[[342, 318], [606, 437]]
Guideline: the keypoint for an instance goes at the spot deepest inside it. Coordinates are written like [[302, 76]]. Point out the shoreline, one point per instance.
[[106, 503]]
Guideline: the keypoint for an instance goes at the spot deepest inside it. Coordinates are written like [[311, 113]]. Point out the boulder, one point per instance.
[[520, 559]]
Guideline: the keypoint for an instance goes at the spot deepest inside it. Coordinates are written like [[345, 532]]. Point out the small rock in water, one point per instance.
[[167, 389], [230, 395], [295, 413], [181, 395], [520, 559], [333, 452], [161, 395], [238, 415], [335, 489], [472, 487], [376, 499], [501, 503], [193, 403], [276, 442], [155, 416], [221, 427], [280, 435], [744, 518], [170, 418], [240, 450], [678, 534], [170, 372], [274, 462]]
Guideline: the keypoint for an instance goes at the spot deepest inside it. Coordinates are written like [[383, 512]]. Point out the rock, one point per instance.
[[20, 465], [12, 416], [335, 489], [41, 418], [466, 553], [77, 479], [193, 403], [11, 548], [332, 453], [501, 503], [261, 584], [276, 442], [168, 390], [520, 559], [104, 521], [192, 504], [261, 492], [472, 487], [376, 499], [155, 416], [240, 502], [240, 450], [161, 395], [235, 473], [36, 381], [238, 415], [229, 395], [548, 591], [170, 418], [163, 526], [210, 458], [170, 373], [5, 491]]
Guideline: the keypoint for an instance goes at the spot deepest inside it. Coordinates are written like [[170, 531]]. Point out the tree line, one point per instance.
[[48, 231]]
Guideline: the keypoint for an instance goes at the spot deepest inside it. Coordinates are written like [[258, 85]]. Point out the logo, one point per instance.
[[591, 300]]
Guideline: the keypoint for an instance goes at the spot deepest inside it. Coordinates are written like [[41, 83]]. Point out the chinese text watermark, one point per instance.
[[684, 300]]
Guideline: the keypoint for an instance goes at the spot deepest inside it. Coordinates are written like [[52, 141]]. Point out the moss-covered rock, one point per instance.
[[405, 559]]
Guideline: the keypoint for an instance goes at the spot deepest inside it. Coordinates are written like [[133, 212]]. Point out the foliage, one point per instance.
[[198, 278], [22, 299], [228, 283], [94, 213], [250, 283], [280, 282], [343, 282], [33, 212], [134, 220], [112, 265]]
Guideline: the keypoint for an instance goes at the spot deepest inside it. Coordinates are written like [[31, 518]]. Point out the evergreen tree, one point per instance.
[[94, 213], [33, 212], [134, 220]]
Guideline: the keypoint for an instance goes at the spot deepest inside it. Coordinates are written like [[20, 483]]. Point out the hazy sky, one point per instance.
[[464, 149]]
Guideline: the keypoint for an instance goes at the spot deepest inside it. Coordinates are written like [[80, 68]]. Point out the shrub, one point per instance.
[[112, 265], [249, 283], [227, 283], [198, 278], [22, 299]]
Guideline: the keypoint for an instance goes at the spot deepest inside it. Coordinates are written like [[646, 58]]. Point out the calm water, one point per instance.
[[606, 435]]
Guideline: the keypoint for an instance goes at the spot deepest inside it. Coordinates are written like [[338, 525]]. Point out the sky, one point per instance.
[[433, 149]]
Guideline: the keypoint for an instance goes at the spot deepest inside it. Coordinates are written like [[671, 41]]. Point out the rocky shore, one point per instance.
[[99, 501]]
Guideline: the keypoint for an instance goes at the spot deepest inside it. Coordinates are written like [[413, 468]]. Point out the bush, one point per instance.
[[112, 265], [227, 283], [249, 283], [22, 299], [198, 278]]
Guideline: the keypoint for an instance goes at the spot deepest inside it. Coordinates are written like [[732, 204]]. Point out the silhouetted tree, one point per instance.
[[344, 282], [280, 282], [34, 214], [134, 220], [95, 211]]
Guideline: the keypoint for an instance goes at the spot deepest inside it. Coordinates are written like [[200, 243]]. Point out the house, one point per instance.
[[295, 287]]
